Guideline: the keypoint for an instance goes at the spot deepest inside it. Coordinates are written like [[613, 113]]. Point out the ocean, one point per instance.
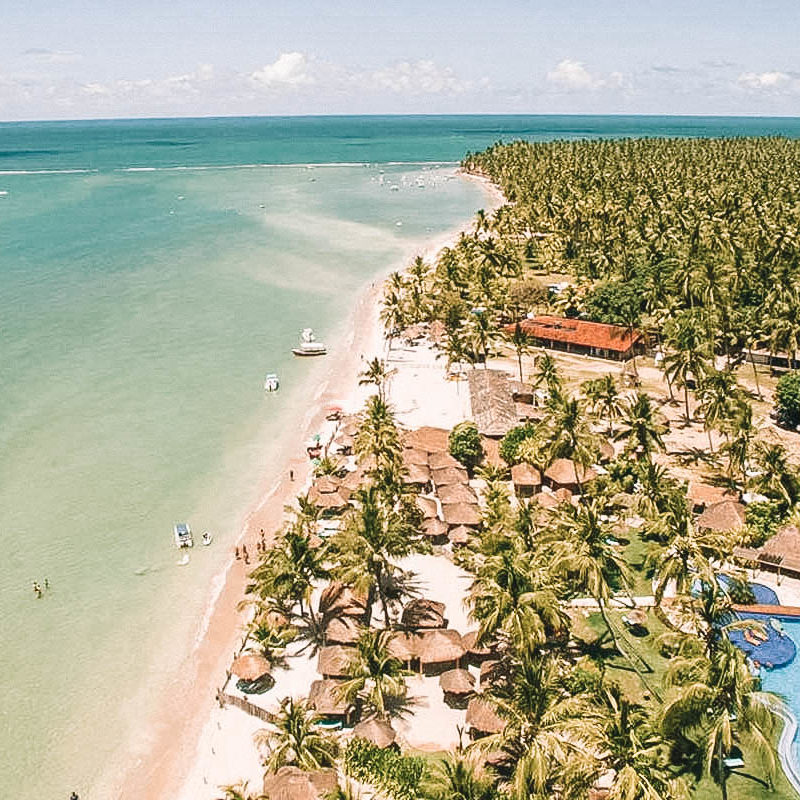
[[151, 272]]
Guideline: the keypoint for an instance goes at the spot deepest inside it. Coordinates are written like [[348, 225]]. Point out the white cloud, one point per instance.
[[289, 70], [420, 77], [42, 55], [572, 76], [773, 81]]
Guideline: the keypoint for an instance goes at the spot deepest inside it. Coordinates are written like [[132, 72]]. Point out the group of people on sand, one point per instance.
[[40, 588], [241, 554]]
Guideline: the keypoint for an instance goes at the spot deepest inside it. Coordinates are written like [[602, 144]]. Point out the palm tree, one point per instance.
[[375, 676], [377, 435], [521, 343], [372, 538], [605, 399], [393, 315], [775, 477], [639, 428], [568, 433], [715, 704], [633, 753], [460, 776], [740, 436], [547, 374], [582, 553], [238, 791], [376, 374], [688, 358], [718, 393], [512, 597], [295, 739], [544, 725]]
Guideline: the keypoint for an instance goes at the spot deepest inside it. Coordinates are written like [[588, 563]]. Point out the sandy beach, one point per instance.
[[194, 746]]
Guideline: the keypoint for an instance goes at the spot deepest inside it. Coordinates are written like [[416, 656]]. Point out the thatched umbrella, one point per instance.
[[459, 535], [637, 616], [457, 682], [482, 717], [291, 783], [327, 484], [461, 513], [334, 660], [457, 493], [422, 613], [249, 667], [490, 670], [376, 730]]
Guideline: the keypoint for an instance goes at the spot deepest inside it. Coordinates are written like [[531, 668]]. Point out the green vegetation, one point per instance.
[[787, 396], [465, 445], [398, 776]]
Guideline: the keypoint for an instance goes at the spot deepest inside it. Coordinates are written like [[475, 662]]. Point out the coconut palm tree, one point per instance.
[[521, 344], [460, 776], [377, 435], [544, 725], [365, 550], [547, 374], [639, 428], [718, 393], [513, 595], [375, 676], [688, 357], [716, 704], [775, 477], [238, 791], [583, 555], [294, 739], [376, 374], [604, 399], [568, 433]]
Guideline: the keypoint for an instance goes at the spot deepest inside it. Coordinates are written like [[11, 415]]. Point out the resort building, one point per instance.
[[498, 403], [583, 337]]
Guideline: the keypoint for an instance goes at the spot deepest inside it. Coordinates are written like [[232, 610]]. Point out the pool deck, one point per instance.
[[770, 611]]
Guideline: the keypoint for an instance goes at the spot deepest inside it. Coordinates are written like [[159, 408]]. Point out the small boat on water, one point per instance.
[[271, 382], [309, 346], [183, 535], [206, 539]]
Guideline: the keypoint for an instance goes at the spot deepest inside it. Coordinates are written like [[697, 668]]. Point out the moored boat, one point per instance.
[[309, 346], [271, 382], [183, 535]]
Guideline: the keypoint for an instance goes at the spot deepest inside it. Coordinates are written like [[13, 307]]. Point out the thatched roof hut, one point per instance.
[[353, 479], [565, 472], [492, 402], [491, 669], [728, 515], [470, 641], [376, 730], [325, 697], [457, 493], [413, 456], [526, 478], [343, 630], [781, 553], [443, 459], [433, 528], [340, 600], [459, 535], [427, 506], [441, 647], [291, 783], [482, 717], [250, 667], [457, 682], [329, 501], [461, 514], [405, 645], [546, 500], [423, 613], [327, 484], [491, 452], [417, 475], [431, 440], [334, 660], [449, 475]]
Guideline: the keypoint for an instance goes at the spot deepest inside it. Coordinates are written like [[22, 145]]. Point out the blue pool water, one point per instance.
[[778, 650], [764, 595]]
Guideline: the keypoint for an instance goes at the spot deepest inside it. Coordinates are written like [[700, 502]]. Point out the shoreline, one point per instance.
[[174, 755]]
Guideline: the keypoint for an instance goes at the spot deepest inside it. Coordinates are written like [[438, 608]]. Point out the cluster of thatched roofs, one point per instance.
[[452, 510]]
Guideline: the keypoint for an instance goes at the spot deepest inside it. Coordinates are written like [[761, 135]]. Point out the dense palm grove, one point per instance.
[[695, 240]]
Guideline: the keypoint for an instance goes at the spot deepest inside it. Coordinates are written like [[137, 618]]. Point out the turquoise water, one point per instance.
[[139, 311]]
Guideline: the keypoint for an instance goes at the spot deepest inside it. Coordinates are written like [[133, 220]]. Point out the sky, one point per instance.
[[76, 59]]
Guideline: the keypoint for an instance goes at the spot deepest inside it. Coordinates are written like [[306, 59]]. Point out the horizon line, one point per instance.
[[375, 115]]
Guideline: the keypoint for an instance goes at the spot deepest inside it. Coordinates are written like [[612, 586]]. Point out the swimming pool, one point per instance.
[[778, 650]]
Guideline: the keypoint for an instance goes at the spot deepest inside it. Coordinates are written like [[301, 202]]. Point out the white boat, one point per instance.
[[183, 535], [309, 346], [271, 382], [206, 539]]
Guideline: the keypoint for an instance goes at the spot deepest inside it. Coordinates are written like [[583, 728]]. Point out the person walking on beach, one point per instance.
[[46, 583], [245, 554], [291, 475], [236, 552], [38, 590]]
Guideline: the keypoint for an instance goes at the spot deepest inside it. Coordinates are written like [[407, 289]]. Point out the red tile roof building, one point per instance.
[[581, 336]]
